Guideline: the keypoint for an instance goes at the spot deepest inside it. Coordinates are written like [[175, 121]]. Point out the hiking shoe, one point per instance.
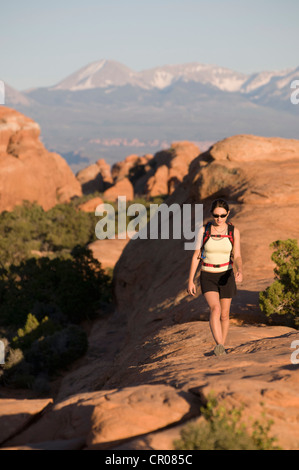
[[219, 350]]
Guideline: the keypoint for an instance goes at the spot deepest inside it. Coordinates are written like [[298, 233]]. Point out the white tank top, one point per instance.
[[217, 251]]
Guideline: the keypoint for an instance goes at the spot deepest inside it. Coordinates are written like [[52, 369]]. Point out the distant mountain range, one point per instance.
[[106, 110], [107, 74]]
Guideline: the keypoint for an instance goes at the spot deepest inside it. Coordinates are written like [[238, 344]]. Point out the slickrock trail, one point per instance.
[[138, 396], [150, 366]]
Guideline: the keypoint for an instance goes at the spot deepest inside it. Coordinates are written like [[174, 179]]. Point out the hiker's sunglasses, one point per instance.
[[216, 216]]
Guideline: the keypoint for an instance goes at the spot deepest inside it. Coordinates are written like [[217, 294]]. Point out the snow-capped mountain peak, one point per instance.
[[100, 74], [110, 74], [106, 73]]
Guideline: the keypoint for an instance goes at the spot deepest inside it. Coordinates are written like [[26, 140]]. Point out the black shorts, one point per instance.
[[223, 282]]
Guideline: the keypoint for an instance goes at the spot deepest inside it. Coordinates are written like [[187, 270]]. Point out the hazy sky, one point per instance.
[[42, 42]]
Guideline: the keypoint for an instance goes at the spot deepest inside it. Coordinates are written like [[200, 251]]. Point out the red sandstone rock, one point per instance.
[[169, 168], [105, 171], [16, 414], [122, 187], [95, 177], [249, 148], [107, 416], [108, 251], [160, 335], [122, 169], [91, 205], [27, 170], [150, 175]]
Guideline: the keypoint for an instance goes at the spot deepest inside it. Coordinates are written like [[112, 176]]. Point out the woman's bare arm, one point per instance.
[[194, 263], [237, 255]]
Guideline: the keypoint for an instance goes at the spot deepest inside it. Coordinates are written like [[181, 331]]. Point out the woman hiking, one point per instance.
[[217, 280]]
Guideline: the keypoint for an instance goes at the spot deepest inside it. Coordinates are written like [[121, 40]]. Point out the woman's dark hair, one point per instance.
[[219, 203]]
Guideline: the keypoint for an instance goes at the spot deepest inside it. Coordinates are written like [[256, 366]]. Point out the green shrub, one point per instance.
[[221, 430], [33, 330], [56, 231], [77, 287], [56, 352], [44, 298], [280, 300], [40, 356]]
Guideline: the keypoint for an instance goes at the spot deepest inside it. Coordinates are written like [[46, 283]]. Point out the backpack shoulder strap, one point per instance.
[[207, 233], [206, 236], [231, 232]]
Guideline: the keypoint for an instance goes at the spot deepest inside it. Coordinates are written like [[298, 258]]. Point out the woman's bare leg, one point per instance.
[[213, 301], [224, 318]]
